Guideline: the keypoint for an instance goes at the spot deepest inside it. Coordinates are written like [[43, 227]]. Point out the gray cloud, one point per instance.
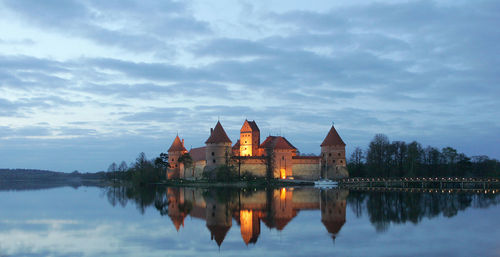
[[422, 70]]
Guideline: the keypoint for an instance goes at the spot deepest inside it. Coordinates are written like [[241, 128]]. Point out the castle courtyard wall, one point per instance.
[[305, 167]]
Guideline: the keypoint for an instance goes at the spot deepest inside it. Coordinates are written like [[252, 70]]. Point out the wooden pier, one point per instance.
[[422, 183]]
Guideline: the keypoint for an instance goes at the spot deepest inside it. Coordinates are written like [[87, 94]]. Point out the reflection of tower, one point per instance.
[[281, 211], [333, 160], [218, 218], [333, 207], [175, 151], [175, 210], [250, 226]]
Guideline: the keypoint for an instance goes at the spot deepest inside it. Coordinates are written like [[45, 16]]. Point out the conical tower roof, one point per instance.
[[333, 138], [218, 135], [177, 146]]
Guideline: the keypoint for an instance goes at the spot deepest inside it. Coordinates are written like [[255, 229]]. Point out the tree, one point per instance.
[[356, 163], [162, 161], [123, 167], [378, 157], [186, 160], [112, 167], [414, 159]]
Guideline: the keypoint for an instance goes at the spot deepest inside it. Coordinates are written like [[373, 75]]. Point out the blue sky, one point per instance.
[[86, 83]]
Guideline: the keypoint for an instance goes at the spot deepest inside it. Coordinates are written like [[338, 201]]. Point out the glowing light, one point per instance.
[[283, 194], [283, 173], [246, 222]]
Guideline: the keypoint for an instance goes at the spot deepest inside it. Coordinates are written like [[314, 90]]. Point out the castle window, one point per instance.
[[213, 153], [282, 157], [333, 161], [330, 154], [339, 154], [340, 161], [245, 142], [213, 160]]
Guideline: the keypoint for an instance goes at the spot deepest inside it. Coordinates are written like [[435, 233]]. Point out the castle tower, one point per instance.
[[175, 151], [249, 139], [333, 162], [218, 147]]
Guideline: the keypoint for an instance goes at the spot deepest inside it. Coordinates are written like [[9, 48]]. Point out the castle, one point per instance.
[[275, 157]]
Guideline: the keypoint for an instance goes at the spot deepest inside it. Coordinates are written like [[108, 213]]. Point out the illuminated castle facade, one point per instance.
[[257, 158]]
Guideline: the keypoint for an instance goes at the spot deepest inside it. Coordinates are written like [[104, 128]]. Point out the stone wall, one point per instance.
[[255, 166], [196, 170], [305, 167]]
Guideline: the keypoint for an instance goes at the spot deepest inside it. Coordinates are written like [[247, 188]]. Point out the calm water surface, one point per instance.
[[92, 221]]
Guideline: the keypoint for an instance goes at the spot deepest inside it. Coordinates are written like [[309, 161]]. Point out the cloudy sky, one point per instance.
[[86, 83]]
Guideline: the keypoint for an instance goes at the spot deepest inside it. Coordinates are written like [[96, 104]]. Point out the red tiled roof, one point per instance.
[[218, 135], [332, 138], [237, 145], [197, 154], [253, 125], [177, 146], [277, 142]]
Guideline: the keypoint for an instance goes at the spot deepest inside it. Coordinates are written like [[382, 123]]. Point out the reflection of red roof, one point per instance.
[[197, 154], [218, 135], [177, 146], [218, 232], [277, 143], [278, 222], [178, 220], [237, 145], [332, 138], [333, 226]]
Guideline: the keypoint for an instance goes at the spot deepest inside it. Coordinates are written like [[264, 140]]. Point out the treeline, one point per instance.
[[141, 172], [400, 159]]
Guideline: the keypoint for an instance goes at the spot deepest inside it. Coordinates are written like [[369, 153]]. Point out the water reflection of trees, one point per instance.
[[384, 208], [276, 207]]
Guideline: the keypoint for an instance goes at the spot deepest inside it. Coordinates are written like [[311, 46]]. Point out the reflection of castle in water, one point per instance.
[[274, 207]]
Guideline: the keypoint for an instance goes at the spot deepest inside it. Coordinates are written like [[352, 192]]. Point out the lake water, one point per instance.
[[93, 221]]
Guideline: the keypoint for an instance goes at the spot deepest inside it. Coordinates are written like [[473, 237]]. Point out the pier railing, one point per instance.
[[429, 182]]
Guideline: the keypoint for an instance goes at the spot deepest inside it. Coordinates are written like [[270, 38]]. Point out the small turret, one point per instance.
[[333, 160], [175, 151]]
